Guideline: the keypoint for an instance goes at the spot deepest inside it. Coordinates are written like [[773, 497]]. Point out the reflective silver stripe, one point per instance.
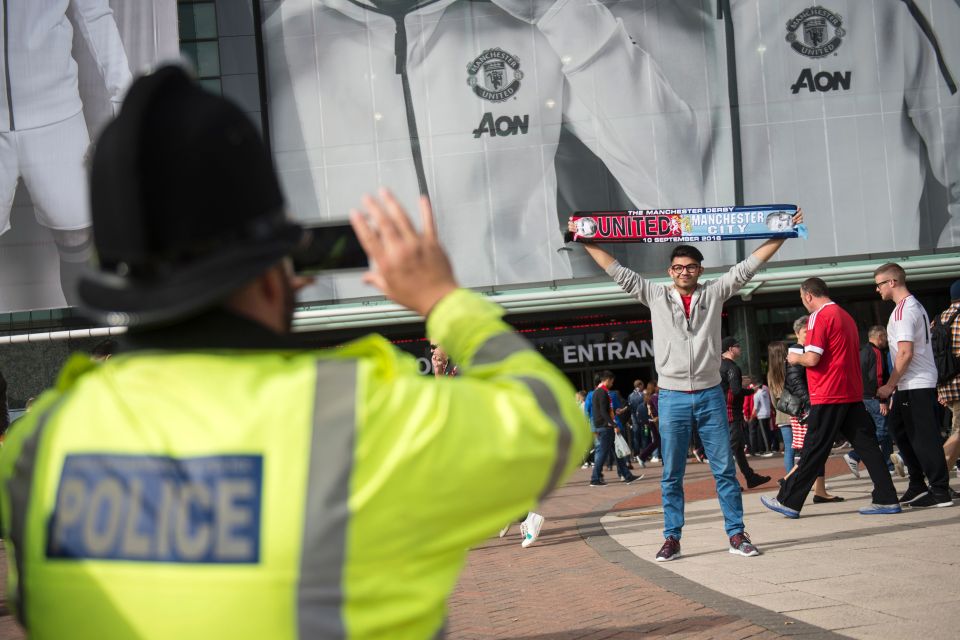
[[326, 514], [548, 403], [19, 487], [499, 347]]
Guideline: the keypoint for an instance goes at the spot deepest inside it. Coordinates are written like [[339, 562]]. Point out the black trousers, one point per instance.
[[758, 435], [826, 420], [736, 446], [913, 422]]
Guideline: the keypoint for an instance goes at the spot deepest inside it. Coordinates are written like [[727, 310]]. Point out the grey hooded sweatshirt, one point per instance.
[[686, 350]]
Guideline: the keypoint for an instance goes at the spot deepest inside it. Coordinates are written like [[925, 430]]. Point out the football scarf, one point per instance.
[[705, 224]]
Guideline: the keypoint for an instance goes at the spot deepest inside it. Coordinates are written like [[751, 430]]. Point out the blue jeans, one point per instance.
[[883, 436], [787, 432], [705, 411], [604, 446]]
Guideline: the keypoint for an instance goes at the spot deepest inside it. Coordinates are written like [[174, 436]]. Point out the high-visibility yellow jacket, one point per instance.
[[264, 494]]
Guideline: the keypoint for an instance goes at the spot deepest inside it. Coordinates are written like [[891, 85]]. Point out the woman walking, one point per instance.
[[776, 377]]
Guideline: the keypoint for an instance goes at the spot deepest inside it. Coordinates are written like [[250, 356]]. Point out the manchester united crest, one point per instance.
[[815, 32], [494, 75]]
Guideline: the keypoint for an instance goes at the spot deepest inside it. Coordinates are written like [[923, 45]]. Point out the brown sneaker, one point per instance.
[[669, 551], [740, 544]]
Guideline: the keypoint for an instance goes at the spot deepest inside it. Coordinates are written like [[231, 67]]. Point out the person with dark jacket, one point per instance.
[[796, 379], [731, 380], [604, 429], [639, 416], [875, 373]]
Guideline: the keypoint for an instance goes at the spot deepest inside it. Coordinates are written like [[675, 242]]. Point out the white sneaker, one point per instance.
[[643, 465], [531, 529], [898, 465], [853, 465], [504, 531]]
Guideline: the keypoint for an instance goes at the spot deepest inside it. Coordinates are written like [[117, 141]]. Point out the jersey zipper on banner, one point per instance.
[[6, 64], [724, 13], [400, 49]]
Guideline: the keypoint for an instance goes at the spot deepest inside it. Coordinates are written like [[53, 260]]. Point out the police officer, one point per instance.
[[212, 479]]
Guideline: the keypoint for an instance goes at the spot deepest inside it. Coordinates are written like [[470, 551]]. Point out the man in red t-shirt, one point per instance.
[[832, 358]]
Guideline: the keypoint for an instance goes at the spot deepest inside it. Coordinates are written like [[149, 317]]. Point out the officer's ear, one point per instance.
[[264, 299], [275, 283]]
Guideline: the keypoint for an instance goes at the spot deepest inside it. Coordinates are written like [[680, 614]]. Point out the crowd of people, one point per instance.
[[819, 388]]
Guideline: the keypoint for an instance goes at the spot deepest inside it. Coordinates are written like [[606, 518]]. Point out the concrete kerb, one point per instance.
[[592, 532]]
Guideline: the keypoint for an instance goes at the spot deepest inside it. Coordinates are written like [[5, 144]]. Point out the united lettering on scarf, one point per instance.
[[701, 224]]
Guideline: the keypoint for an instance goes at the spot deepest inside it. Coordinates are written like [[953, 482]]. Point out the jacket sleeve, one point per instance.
[[867, 366], [94, 19], [933, 103], [796, 383], [462, 456], [632, 282], [726, 375], [739, 274], [618, 103]]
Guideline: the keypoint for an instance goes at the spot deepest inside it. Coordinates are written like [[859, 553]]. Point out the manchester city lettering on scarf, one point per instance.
[[703, 224], [158, 509]]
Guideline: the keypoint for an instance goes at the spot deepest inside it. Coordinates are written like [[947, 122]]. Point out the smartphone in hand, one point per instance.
[[329, 248]]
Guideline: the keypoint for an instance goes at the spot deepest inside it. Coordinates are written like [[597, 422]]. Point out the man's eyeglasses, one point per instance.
[[883, 282], [680, 268]]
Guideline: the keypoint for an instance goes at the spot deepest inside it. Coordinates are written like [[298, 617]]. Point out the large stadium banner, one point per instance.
[[65, 66], [513, 114]]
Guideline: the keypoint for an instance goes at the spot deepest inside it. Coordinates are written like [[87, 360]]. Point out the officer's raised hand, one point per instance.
[[410, 268]]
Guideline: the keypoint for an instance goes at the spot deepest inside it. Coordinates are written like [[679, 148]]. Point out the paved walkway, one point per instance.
[[831, 574], [870, 577]]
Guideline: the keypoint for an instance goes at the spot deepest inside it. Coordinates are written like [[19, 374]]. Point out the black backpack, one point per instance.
[[941, 341]]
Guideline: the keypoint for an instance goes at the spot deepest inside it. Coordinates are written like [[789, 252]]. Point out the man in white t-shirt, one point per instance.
[[912, 419]]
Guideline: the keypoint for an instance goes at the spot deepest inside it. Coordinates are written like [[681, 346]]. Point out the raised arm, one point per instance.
[[513, 410], [601, 257]]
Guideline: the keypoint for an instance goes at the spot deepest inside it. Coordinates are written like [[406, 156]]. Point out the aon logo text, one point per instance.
[[502, 126], [823, 81]]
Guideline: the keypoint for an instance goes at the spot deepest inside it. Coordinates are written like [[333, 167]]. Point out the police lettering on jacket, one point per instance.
[[158, 509]]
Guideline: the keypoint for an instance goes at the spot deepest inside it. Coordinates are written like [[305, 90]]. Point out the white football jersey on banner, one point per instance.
[[467, 101]]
